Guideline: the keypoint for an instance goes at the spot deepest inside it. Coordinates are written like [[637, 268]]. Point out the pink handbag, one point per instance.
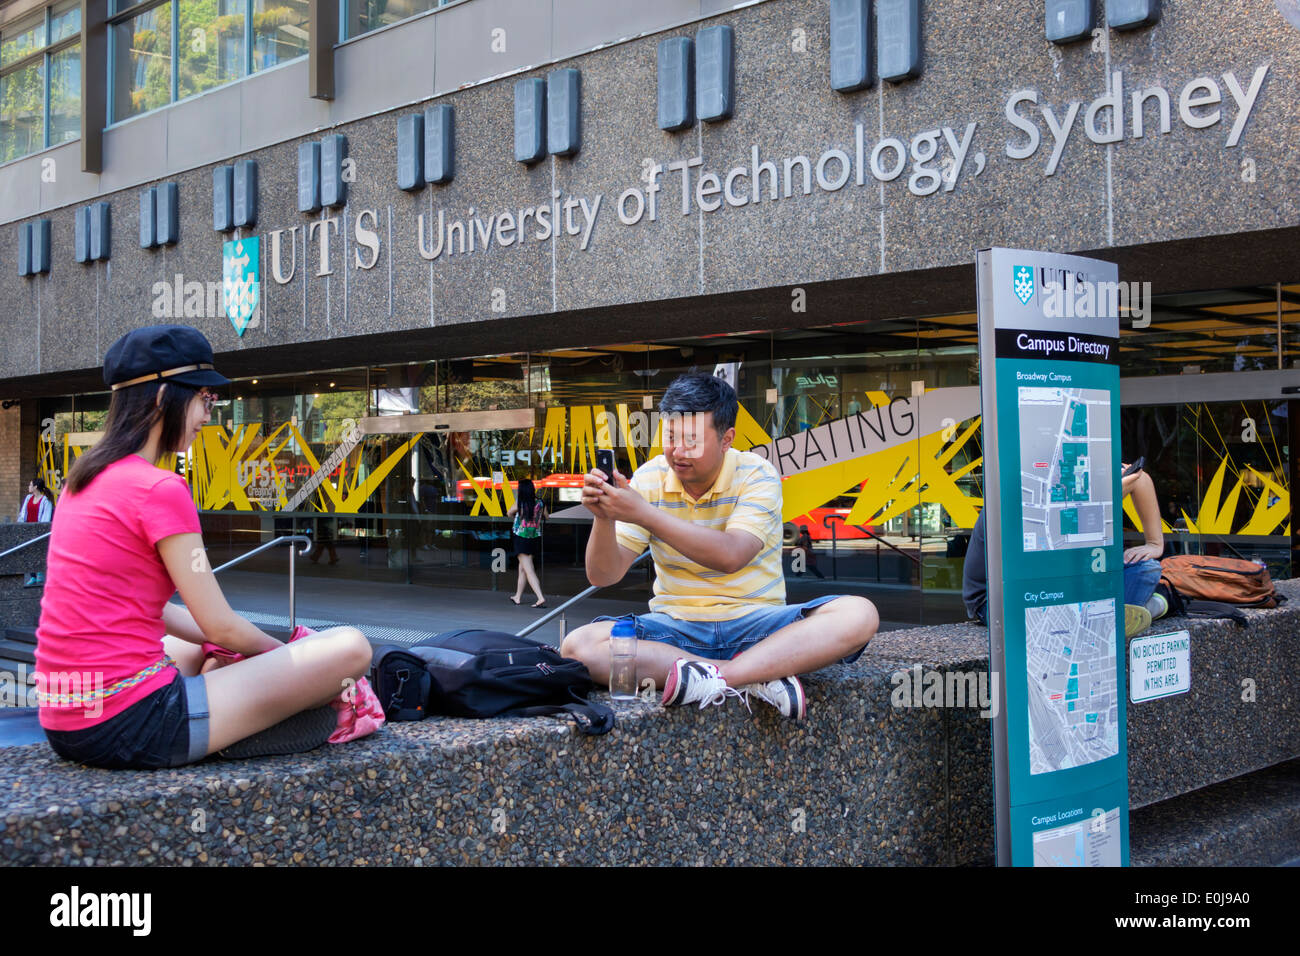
[[357, 706]]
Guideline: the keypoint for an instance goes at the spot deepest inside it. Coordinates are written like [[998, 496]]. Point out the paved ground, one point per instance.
[[401, 612], [379, 608]]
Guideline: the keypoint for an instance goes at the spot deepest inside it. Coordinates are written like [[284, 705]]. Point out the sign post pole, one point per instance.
[[1049, 387]]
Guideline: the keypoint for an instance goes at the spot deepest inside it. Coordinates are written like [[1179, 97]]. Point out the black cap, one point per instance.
[[172, 353]]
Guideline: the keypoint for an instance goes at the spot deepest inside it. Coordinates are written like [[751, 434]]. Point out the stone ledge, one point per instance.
[[859, 782], [1247, 821]]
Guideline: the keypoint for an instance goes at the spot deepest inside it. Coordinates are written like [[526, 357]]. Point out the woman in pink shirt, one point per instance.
[[117, 666]]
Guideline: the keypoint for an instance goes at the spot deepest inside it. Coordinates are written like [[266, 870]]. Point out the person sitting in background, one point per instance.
[[38, 505], [1142, 604]]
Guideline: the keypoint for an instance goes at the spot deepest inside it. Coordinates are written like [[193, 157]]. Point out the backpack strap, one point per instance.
[[1216, 609], [590, 717]]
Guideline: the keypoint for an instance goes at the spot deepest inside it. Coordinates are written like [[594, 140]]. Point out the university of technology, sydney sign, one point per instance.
[[933, 159]]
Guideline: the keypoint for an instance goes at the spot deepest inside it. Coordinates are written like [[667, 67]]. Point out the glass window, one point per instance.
[[22, 111], [46, 86], [65, 95], [366, 15], [212, 47], [279, 31], [1228, 330], [142, 62], [22, 39], [65, 20], [211, 40]]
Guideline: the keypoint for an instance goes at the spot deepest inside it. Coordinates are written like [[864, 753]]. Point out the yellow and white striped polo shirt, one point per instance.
[[745, 497]]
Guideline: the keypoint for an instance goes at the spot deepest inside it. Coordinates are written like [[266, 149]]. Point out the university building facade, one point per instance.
[[442, 247]]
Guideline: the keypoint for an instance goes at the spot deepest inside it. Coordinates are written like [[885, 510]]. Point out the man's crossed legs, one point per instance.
[[760, 653]]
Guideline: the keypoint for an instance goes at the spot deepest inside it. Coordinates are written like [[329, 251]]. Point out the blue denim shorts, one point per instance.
[[168, 728], [723, 640]]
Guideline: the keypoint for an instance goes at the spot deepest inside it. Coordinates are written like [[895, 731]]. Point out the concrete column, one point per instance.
[[29, 432], [12, 485], [94, 83], [323, 27]]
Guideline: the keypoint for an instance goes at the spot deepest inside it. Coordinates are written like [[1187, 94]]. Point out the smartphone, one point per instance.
[[1134, 468], [605, 462]]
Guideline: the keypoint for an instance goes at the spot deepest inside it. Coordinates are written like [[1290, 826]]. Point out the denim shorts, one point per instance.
[[168, 728], [723, 640]]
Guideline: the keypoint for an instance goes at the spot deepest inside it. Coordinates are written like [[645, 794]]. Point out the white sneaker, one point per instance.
[[691, 682], [785, 694]]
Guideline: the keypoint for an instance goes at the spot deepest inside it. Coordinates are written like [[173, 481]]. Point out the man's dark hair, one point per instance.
[[701, 392]]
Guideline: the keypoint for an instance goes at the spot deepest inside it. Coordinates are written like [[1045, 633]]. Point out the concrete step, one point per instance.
[[17, 684], [15, 651], [20, 635], [1253, 820]]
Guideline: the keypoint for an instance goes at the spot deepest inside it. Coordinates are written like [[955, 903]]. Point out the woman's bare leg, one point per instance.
[[253, 694], [188, 657], [526, 566]]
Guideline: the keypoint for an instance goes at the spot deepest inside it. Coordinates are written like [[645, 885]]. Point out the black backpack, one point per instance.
[[401, 681], [474, 673]]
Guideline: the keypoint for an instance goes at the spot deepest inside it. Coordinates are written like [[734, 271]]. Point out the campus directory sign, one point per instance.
[[1049, 386]]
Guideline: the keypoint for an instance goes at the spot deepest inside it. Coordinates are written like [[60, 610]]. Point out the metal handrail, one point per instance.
[[285, 539], [25, 544], [893, 547], [551, 615]]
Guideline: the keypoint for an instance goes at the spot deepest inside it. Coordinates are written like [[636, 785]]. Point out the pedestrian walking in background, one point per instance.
[[39, 503], [529, 513]]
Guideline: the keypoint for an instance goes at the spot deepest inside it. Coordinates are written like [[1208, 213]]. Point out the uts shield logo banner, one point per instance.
[[241, 281], [1022, 282]]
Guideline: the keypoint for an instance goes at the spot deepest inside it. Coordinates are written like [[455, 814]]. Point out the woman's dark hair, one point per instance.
[[702, 392], [41, 488], [527, 498], [130, 416]]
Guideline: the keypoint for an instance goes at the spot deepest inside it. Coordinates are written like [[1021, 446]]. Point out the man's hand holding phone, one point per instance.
[[607, 494]]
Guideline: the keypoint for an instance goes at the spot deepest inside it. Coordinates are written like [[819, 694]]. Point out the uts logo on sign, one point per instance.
[[241, 281], [1022, 281]]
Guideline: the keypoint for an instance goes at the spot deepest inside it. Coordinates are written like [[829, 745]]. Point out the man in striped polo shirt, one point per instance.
[[718, 625]]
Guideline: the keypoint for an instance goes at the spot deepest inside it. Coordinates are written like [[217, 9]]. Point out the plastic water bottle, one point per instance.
[[622, 661]]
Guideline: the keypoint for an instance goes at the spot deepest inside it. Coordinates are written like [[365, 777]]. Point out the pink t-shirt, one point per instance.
[[105, 587]]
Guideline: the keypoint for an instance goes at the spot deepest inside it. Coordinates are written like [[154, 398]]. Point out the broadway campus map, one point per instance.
[[1065, 468]]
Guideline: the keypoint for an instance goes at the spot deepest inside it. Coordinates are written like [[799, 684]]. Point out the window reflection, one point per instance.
[[142, 62], [22, 116], [279, 31], [366, 15], [211, 50]]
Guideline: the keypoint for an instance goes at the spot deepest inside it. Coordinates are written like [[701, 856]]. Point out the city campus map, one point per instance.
[[1070, 663], [1065, 468]]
